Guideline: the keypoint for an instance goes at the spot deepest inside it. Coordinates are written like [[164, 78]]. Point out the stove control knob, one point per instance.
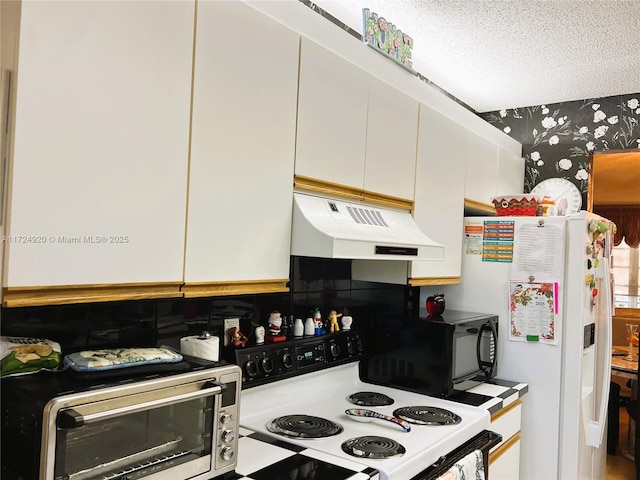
[[227, 435], [226, 453], [335, 350], [226, 418], [250, 368], [266, 365], [350, 347], [287, 360], [359, 345]]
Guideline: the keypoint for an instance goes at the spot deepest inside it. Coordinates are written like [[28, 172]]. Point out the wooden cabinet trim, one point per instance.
[[502, 449], [68, 294], [424, 281], [315, 185], [242, 287], [387, 200], [505, 410], [480, 207]]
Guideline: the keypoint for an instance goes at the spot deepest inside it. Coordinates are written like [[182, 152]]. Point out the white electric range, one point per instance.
[[283, 388]]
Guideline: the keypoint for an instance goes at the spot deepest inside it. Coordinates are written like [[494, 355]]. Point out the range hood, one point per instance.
[[328, 228]]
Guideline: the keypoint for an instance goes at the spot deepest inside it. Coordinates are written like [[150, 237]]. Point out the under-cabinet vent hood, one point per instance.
[[329, 228]]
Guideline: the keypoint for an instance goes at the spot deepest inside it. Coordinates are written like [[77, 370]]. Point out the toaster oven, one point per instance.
[[156, 426]]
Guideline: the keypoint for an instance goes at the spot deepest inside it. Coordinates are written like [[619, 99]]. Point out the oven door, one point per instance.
[[483, 442], [157, 433]]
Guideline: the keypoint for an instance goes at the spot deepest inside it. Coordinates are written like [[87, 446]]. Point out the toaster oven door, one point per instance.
[[159, 433]]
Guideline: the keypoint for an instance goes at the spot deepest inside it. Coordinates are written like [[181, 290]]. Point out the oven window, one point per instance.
[[147, 442]]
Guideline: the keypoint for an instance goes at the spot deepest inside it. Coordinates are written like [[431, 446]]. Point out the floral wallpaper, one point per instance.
[[558, 138]]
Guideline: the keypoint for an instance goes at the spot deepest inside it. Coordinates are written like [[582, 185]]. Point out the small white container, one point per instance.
[[309, 327], [298, 328]]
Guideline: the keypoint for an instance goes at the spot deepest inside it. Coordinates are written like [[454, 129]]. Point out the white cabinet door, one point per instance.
[[243, 144], [440, 190], [510, 173], [332, 117], [99, 167], [482, 169], [504, 458], [507, 465], [392, 130]]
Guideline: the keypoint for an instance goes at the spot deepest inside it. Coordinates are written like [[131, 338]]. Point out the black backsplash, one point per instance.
[[315, 283]]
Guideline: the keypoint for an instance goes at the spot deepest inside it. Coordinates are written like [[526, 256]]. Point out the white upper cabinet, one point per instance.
[[97, 186], [353, 129], [482, 169], [492, 170], [332, 117], [510, 173], [392, 131], [439, 199], [243, 146]]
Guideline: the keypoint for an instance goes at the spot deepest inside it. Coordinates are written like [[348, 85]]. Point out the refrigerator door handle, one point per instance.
[[594, 427]]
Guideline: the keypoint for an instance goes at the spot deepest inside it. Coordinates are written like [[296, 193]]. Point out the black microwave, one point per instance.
[[437, 356]]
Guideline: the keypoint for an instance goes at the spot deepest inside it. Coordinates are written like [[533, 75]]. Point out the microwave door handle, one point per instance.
[[487, 367], [70, 418]]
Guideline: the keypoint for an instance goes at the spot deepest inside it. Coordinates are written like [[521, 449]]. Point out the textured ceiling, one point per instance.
[[495, 54]]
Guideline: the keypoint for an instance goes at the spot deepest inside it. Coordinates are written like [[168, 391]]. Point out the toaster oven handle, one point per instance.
[[72, 418]]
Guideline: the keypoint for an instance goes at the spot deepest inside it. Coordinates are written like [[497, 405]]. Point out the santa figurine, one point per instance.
[[275, 322]]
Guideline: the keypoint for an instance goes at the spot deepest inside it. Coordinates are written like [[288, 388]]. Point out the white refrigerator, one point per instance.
[[561, 349]]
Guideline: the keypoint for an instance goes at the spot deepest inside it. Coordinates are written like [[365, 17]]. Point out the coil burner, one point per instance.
[[304, 426], [373, 447], [370, 399], [427, 415]]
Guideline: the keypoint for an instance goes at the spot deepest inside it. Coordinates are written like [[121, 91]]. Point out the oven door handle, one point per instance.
[[73, 418]]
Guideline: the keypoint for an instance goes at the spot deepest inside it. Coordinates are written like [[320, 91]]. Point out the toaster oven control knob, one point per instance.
[[226, 418], [250, 368], [266, 365], [359, 345], [226, 453], [335, 350], [287, 360], [227, 435]]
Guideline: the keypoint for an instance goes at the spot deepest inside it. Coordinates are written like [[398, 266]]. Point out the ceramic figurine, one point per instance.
[[333, 321], [346, 320], [259, 331], [317, 318], [435, 305], [275, 322], [237, 338]]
